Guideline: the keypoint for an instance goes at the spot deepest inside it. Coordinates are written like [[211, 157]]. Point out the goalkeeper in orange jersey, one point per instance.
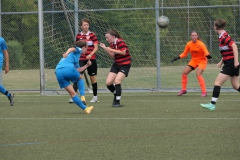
[[199, 59]]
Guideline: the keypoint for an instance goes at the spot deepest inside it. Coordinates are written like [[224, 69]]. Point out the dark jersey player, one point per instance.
[[119, 52], [92, 41], [229, 52]]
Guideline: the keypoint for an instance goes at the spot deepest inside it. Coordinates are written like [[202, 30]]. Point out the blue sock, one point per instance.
[[78, 101], [4, 91], [81, 87]]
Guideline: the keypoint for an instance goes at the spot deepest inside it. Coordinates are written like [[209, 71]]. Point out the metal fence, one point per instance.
[[151, 48]]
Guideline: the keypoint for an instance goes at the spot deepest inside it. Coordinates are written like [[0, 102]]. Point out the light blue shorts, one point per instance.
[[67, 75]]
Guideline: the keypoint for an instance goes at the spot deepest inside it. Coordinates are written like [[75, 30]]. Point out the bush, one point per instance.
[[15, 54]]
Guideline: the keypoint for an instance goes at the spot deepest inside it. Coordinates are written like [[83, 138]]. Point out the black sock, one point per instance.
[[238, 89], [118, 89], [6, 93], [95, 87], [75, 87], [111, 88], [216, 93]]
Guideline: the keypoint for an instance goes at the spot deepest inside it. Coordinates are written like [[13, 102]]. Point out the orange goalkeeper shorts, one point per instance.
[[198, 64]]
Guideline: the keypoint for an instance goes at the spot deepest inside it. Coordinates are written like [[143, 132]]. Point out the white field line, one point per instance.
[[198, 118]]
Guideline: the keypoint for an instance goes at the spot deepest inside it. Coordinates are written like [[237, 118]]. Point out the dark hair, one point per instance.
[[220, 24], [85, 20], [81, 44], [194, 31], [113, 32]]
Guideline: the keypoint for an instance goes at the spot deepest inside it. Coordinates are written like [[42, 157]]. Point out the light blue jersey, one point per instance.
[[72, 60], [66, 71], [3, 46]]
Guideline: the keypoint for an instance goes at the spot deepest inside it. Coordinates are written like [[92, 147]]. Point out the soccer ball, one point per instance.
[[162, 21]]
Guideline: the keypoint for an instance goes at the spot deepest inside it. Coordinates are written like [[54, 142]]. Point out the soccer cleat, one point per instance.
[[94, 99], [116, 103], [88, 109], [209, 106], [83, 100], [182, 92], [204, 94], [70, 100], [10, 98], [114, 99]]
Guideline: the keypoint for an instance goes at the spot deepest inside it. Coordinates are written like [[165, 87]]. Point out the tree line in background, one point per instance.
[[21, 30]]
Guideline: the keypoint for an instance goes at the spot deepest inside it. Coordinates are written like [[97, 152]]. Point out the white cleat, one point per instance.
[[94, 99], [70, 100]]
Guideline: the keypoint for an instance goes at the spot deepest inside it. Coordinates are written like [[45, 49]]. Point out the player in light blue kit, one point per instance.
[[68, 70], [4, 55]]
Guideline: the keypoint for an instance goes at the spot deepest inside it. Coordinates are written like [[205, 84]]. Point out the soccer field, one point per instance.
[[153, 125]]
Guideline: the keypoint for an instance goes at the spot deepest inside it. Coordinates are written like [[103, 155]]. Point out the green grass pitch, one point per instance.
[[153, 125]]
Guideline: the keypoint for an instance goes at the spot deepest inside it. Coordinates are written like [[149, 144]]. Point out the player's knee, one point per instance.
[[236, 87], [217, 83], [198, 74], [108, 83], [117, 82]]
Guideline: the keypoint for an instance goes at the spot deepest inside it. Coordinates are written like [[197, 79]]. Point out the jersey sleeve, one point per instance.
[[185, 52], [229, 41], [204, 49], [3, 44], [122, 46]]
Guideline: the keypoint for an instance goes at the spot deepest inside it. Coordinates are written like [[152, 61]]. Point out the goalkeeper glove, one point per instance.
[[209, 56], [174, 59]]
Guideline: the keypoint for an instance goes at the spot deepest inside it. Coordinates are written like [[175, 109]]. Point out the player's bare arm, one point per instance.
[[235, 53], [115, 51], [83, 68], [93, 52], [73, 49], [111, 54], [6, 56]]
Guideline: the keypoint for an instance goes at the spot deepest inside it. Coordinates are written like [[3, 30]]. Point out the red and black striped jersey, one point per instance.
[[91, 39], [225, 46], [120, 44]]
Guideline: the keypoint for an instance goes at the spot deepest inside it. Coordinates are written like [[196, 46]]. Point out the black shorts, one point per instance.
[[92, 70], [124, 69], [230, 70]]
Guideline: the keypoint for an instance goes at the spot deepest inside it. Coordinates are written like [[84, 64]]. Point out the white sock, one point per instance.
[[214, 99]]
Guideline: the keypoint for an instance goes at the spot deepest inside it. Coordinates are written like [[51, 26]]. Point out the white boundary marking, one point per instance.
[[120, 118]]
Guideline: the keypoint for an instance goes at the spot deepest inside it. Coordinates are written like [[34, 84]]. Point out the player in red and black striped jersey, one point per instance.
[[229, 52], [92, 41], [119, 52]]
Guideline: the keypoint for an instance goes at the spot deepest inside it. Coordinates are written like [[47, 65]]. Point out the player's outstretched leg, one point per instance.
[[77, 100], [81, 88], [10, 98], [75, 87], [8, 94]]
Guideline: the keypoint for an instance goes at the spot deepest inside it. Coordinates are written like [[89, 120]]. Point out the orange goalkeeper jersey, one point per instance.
[[197, 50]]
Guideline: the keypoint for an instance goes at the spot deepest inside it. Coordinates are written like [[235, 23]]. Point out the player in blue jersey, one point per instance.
[[68, 70], [5, 56]]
